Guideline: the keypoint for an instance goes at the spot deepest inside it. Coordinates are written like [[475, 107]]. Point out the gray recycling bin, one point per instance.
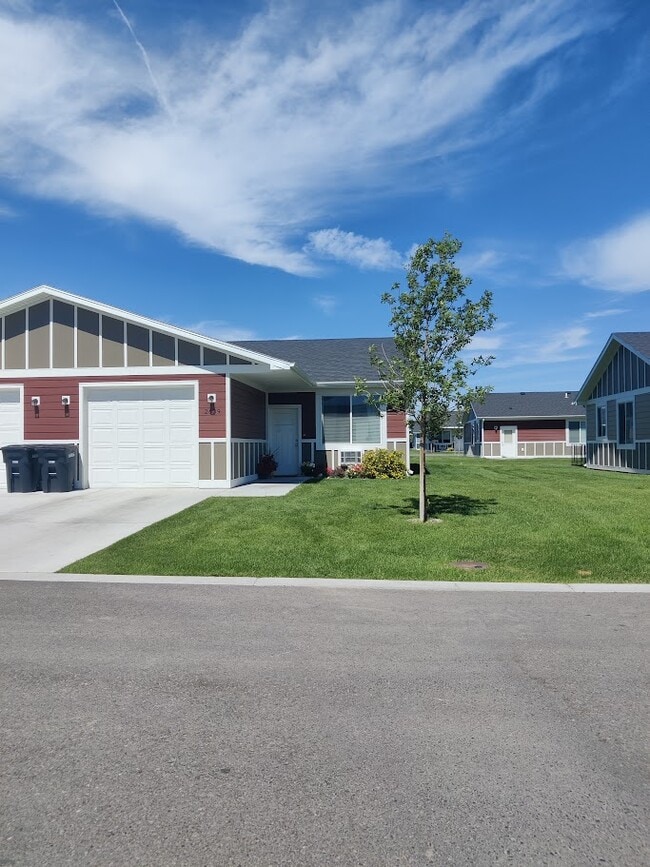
[[58, 466], [22, 471]]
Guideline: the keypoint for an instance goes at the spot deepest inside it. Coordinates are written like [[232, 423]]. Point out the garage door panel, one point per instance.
[[141, 437], [11, 424]]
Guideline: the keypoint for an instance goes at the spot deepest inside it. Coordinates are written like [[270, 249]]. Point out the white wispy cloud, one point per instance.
[[618, 260], [548, 348], [366, 253], [481, 262], [243, 146], [602, 314], [326, 303], [221, 330]]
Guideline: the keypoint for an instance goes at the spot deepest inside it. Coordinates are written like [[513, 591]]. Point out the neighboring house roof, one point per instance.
[[452, 423], [331, 360], [636, 341], [529, 404]]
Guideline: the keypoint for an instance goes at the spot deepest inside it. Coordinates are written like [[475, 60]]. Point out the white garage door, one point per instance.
[[142, 437], [11, 424]]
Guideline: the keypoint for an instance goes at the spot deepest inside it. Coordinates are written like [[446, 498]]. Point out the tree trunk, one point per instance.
[[423, 483]]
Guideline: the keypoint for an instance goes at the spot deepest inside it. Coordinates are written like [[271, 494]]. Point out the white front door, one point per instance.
[[11, 424], [509, 441], [284, 438], [142, 437]]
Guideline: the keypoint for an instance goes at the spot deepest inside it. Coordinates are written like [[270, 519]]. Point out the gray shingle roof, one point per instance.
[[529, 404], [338, 359], [639, 341]]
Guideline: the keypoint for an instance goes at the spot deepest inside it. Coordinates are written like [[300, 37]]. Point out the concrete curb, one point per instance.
[[331, 583]]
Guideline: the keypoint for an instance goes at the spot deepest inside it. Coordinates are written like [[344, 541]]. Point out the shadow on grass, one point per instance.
[[453, 504]]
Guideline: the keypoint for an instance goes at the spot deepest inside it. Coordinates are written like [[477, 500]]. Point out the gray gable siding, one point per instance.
[[330, 360], [626, 371]]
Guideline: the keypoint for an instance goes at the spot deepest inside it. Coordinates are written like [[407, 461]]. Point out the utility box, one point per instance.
[[58, 466], [22, 469]]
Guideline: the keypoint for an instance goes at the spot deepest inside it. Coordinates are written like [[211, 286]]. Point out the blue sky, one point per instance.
[[261, 170]]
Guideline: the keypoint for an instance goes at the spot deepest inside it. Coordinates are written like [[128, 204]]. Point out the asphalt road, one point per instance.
[[179, 725]]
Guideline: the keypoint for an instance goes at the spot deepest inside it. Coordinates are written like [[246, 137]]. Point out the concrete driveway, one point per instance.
[[45, 532]]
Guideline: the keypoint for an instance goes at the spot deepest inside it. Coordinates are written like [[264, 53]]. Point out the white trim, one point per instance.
[[228, 430], [81, 372], [85, 387], [583, 429], [20, 388]]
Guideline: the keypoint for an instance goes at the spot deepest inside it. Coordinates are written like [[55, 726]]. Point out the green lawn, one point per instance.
[[534, 520]]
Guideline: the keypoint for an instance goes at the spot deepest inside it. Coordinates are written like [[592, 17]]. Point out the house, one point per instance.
[[525, 424], [448, 437], [616, 397], [150, 404]]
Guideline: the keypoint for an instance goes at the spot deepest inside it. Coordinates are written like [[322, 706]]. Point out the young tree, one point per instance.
[[433, 322]]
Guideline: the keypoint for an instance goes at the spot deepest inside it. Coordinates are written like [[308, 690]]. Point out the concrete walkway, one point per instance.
[[45, 532], [331, 583]]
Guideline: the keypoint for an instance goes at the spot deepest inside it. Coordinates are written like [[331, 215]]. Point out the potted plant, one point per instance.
[[266, 465]]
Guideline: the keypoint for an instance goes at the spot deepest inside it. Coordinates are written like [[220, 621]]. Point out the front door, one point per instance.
[[284, 438], [509, 441]]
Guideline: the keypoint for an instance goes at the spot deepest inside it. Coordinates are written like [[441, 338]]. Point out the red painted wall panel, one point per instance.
[[529, 430], [52, 423], [396, 425]]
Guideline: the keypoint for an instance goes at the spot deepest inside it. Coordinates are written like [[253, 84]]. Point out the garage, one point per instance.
[[140, 437], [11, 423]]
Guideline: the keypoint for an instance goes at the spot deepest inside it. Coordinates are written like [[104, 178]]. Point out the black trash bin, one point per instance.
[[22, 470], [58, 466]]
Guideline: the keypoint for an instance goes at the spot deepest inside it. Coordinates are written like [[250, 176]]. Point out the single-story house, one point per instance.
[[450, 436], [525, 424], [150, 404], [616, 397]]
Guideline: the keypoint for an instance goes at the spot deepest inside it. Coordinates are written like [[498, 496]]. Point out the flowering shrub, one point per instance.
[[355, 471], [337, 472], [308, 468], [382, 464]]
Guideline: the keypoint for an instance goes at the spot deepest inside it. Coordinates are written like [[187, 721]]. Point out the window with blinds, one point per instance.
[[350, 419]]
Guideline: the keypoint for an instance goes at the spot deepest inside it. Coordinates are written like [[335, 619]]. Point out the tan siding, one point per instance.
[[642, 416], [220, 461], [15, 340], [205, 463], [39, 335], [112, 342], [87, 338], [248, 411], [62, 335], [137, 345], [163, 349]]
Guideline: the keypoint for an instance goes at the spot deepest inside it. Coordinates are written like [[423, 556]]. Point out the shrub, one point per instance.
[[382, 464], [355, 471], [337, 472], [308, 468]]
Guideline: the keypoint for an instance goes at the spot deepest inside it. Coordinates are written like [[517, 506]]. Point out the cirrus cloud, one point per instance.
[[618, 260], [242, 145]]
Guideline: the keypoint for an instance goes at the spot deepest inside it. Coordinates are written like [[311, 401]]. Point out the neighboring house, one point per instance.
[[616, 397], [525, 424], [150, 404], [448, 437]]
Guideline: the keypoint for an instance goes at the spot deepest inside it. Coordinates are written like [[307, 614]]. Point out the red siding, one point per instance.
[[248, 419], [307, 400], [529, 430], [396, 425], [52, 423]]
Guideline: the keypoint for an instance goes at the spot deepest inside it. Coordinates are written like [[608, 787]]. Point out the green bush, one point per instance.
[[382, 464]]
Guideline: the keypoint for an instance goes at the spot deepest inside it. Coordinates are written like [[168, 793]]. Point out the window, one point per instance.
[[350, 419], [626, 423], [349, 458], [577, 432], [601, 421]]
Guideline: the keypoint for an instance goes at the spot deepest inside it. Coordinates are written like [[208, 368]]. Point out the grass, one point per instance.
[[533, 520]]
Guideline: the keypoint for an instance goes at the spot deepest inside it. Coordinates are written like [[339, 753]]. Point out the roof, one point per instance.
[[330, 360], [529, 404], [636, 341]]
